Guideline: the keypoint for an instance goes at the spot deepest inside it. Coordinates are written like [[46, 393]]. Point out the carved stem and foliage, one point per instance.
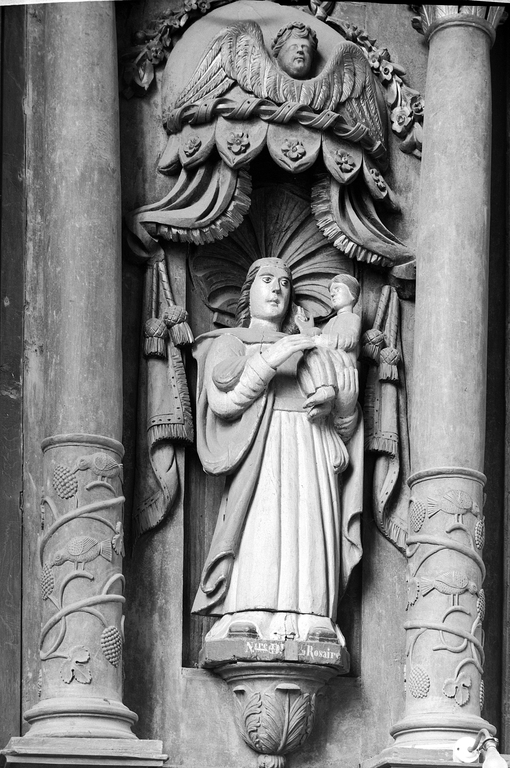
[[446, 601], [81, 550]]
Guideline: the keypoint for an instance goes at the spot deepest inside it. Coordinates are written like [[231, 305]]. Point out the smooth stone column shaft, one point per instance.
[[448, 425], [83, 221]]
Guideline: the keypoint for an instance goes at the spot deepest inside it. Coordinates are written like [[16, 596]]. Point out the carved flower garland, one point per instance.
[[151, 47], [406, 105]]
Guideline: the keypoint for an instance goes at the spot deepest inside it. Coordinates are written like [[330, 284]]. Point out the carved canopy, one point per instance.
[[225, 98]]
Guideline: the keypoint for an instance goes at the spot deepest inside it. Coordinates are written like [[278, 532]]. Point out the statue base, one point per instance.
[[245, 649], [53, 751]]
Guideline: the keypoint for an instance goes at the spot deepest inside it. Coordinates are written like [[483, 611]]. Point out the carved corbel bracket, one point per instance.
[[275, 705]]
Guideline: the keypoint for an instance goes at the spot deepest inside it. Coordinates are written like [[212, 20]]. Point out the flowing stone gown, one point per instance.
[[287, 535]]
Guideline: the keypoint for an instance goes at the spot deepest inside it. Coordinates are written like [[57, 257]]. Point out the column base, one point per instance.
[[436, 732], [29, 750], [81, 718], [414, 757]]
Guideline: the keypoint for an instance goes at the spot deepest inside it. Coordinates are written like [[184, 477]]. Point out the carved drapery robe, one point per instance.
[[287, 535]]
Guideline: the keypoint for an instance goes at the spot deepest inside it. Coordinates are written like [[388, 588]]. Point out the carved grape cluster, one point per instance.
[[47, 581], [419, 682], [64, 482], [480, 605], [480, 533], [111, 644], [417, 514]]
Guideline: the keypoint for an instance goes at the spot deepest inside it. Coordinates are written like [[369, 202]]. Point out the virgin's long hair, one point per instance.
[[243, 315]]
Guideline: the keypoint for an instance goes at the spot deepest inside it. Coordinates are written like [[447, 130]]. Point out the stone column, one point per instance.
[[80, 715], [446, 604]]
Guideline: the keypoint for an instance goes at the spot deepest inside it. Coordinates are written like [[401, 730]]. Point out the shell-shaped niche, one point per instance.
[[279, 224]]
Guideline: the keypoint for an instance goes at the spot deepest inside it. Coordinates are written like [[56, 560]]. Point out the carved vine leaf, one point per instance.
[[118, 539], [458, 689], [73, 667]]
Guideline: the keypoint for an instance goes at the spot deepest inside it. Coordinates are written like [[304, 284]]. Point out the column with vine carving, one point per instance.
[[80, 715], [446, 601]]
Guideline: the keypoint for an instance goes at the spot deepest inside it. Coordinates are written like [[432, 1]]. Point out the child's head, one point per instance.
[[344, 291]]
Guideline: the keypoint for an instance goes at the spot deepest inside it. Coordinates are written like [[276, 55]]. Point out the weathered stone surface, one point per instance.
[[53, 752], [217, 652]]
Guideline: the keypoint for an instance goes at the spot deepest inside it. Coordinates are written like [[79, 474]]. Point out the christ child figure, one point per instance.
[[336, 351]]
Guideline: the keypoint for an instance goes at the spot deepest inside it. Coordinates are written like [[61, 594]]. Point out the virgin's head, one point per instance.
[[267, 294]]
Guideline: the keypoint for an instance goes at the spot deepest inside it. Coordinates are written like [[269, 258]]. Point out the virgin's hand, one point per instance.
[[327, 341], [284, 348], [348, 390]]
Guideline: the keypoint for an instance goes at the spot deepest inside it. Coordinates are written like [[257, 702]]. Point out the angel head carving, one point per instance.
[[238, 56], [294, 49]]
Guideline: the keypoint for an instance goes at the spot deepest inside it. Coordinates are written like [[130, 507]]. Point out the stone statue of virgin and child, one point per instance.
[[278, 415]]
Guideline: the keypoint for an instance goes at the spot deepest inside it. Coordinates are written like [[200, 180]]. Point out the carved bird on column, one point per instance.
[[83, 549], [450, 583], [457, 503], [101, 464]]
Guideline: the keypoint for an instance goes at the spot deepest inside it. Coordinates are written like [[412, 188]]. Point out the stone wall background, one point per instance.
[[191, 709]]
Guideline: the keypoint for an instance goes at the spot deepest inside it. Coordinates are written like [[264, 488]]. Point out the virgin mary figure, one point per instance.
[[288, 529]]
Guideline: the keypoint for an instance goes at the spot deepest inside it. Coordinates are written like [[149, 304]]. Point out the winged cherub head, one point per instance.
[[294, 47]]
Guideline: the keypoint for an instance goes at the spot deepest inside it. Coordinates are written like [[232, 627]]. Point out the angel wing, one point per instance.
[[347, 86], [239, 56]]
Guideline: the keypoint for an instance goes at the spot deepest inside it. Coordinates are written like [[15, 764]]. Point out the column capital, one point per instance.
[[434, 17]]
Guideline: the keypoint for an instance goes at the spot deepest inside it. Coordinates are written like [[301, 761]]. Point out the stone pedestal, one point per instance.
[[80, 718]]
